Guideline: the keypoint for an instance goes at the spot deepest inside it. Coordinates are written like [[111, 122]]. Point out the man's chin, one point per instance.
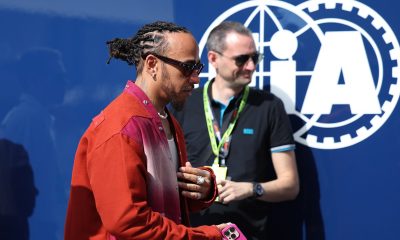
[[242, 82], [244, 79]]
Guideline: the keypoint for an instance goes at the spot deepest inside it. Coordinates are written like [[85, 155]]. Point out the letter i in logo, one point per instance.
[[283, 72]]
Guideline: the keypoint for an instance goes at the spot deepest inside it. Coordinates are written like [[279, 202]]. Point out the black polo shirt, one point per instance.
[[263, 127]]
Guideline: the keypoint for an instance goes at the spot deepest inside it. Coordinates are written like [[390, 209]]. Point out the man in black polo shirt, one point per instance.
[[243, 134]]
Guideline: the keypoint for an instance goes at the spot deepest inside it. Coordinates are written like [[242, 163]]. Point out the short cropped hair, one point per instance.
[[217, 39]]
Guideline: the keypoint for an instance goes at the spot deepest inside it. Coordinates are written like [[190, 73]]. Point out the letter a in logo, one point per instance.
[[342, 52]]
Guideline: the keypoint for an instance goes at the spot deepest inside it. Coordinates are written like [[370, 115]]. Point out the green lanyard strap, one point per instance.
[[216, 148]]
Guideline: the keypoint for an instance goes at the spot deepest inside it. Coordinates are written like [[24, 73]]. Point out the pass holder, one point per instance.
[[220, 171], [220, 174]]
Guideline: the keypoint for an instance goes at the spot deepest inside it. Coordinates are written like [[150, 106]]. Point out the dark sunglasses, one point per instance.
[[241, 60], [187, 69]]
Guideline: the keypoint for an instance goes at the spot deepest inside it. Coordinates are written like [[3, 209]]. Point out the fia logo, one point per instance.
[[334, 63]]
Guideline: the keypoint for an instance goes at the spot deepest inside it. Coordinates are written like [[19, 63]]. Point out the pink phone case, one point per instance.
[[232, 232]]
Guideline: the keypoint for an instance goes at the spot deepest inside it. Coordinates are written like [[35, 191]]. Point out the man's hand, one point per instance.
[[233, 191], [222, 226], [194, 182]]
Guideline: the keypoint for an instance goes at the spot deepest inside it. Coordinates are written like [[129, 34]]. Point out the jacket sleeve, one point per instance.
[[117, 175]]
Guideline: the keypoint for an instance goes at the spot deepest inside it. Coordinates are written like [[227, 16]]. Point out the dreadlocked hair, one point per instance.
[[149, 39]]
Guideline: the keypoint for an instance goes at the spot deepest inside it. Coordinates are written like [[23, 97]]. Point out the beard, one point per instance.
[[176, 102]]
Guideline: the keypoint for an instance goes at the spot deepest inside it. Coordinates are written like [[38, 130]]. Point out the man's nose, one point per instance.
[[250, 65], [194, 78]]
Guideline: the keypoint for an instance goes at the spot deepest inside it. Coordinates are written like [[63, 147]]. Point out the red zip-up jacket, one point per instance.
[[124, 185]]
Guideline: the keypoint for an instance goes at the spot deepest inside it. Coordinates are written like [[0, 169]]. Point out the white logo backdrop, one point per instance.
[[351, 88]]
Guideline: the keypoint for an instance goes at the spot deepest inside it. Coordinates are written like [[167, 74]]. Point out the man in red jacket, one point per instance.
[[131, 178]]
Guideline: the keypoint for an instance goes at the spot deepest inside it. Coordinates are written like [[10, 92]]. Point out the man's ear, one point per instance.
[[212, 58], [151, 65]]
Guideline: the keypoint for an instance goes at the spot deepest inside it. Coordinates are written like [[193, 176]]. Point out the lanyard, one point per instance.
[[213, 129]]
